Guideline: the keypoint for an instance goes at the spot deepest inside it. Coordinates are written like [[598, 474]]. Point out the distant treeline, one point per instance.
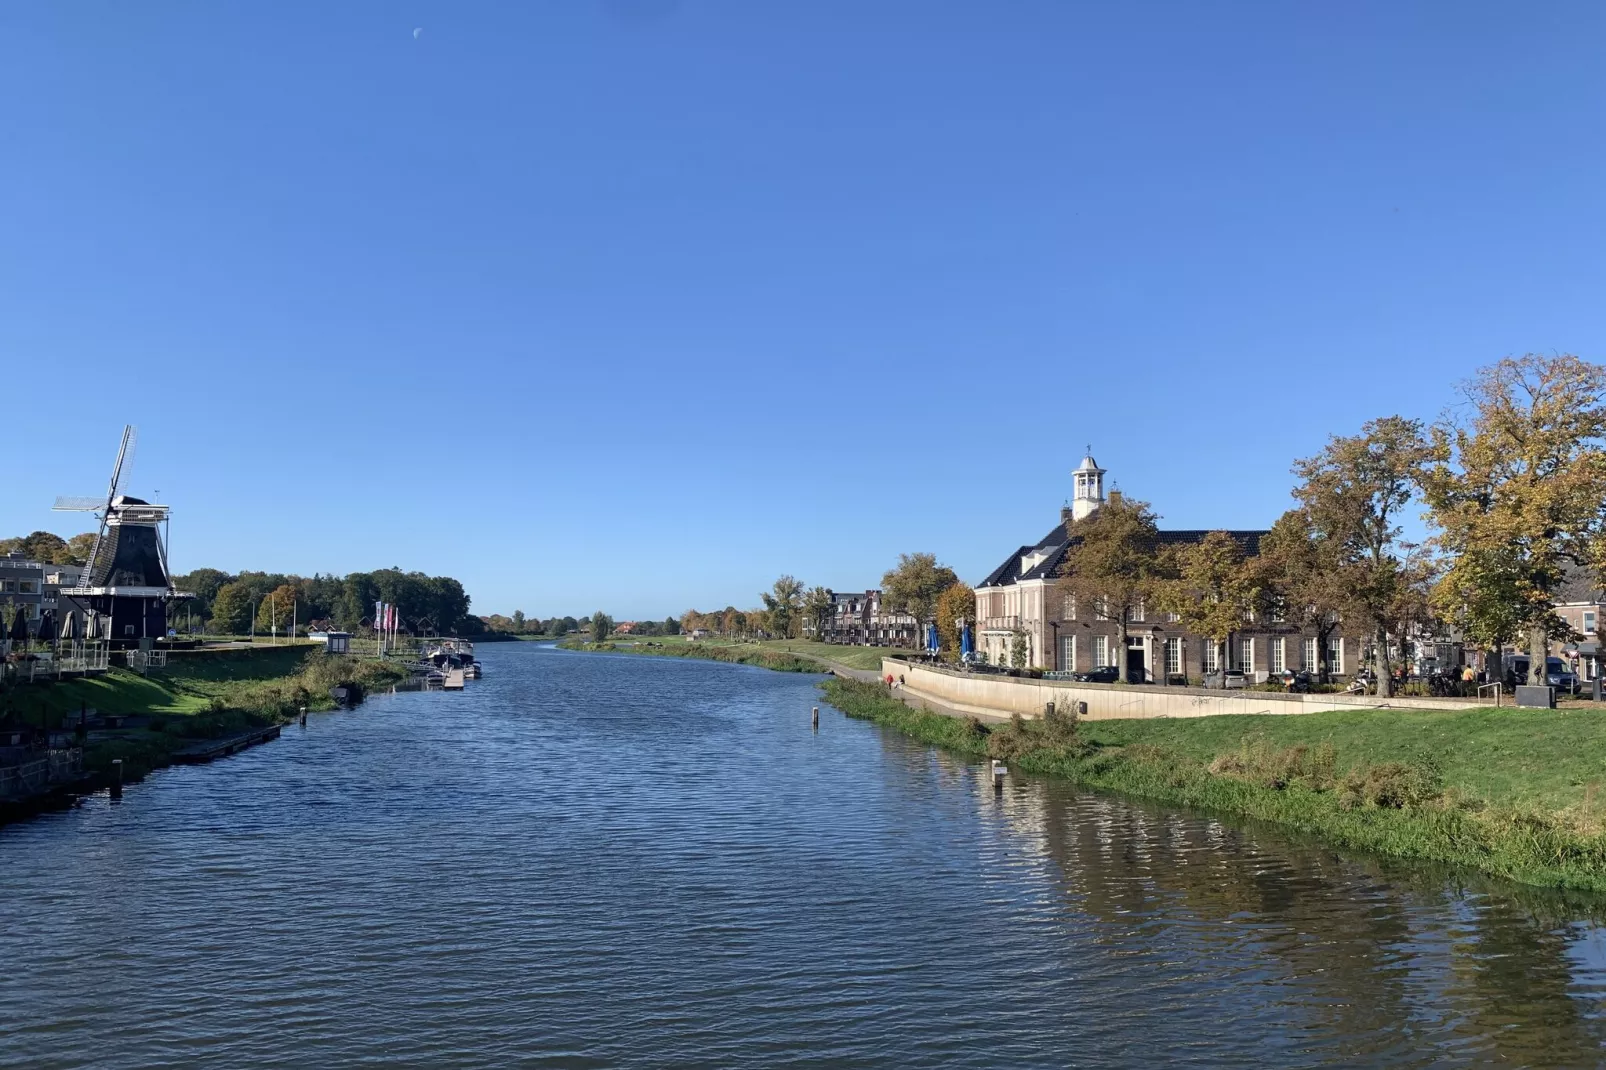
[[225, 602], [557, 627]]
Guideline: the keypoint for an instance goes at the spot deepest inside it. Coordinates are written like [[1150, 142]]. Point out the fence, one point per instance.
[[32, 777]]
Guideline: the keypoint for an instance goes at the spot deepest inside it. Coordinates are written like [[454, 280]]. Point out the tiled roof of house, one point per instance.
[[1050, 552]]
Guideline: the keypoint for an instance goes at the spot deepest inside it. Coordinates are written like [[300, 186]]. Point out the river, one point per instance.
[[594, 861]]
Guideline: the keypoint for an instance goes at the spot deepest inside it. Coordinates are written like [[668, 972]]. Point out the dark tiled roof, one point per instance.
[[1581, 585], [1056, 542]]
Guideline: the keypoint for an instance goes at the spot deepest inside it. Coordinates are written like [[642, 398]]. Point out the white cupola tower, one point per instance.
[[1089, 487]]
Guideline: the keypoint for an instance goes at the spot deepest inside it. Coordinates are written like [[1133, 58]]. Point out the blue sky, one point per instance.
[[638, 304]]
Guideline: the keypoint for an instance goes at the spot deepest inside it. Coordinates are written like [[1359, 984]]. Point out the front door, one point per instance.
[[1134, 665]]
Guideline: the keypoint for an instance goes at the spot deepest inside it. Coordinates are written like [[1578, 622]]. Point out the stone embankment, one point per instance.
[[990, 696]]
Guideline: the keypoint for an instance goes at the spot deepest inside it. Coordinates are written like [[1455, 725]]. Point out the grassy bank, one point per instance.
[[854, 657], [738, 654], [202, 695], [1512, 793]]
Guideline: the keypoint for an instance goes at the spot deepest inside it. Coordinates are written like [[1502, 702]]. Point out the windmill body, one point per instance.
[[126, 581]]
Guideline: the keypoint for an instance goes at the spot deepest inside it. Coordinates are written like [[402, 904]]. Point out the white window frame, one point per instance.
[[1101, 609], [1101, 650], [1246, 655], [1137, 612], [1212, 656], [1312, 649], [1335, 655], [1173, 656], [1279, 654], [1068, 652], [1589, 622]]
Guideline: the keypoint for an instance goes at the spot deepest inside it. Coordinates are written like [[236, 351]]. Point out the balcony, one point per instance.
[[1000, 624]]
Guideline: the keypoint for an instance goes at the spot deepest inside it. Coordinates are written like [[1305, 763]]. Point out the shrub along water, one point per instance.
[[1401, 808], [763, 657]]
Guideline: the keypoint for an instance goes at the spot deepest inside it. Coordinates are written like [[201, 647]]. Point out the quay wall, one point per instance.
[[987, 695]]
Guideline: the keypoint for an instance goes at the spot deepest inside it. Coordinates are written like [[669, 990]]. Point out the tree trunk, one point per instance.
[[1120, 644], [1324, 671], [1538, 657], [1380, 659]]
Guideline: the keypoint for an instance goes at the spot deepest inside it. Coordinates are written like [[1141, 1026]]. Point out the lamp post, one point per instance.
[[1055, 625]]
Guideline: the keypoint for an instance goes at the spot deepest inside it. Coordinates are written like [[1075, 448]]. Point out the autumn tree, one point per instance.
[[1353, 492], [782, 603], [276, 609], [1211, 588], [914, 586], [1113, 562], [1303, 572], [79, 548], [1518, 495], [956, 602]]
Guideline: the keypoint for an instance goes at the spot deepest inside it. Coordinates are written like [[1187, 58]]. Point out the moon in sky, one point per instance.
[[417, 31]]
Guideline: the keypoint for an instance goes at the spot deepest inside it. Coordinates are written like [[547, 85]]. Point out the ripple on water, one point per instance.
[[591, 861]]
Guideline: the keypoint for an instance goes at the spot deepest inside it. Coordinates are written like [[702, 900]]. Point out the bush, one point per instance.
[[1011, 741], [1391, 786]]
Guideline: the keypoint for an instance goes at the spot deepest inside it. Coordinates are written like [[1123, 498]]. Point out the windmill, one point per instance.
[[125, 580]]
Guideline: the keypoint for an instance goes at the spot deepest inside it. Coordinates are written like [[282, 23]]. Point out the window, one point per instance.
[[1276, 611], [1135, 613], [1589, 622], [1310, 656], [1247, 655], [1278, 647], [1101, 609], [1101, 650], [1212, 656], [1172, 618], [1173, 657], [1068, 653], [1335, 655], [11, 585], [27, 586], [1069, 611]]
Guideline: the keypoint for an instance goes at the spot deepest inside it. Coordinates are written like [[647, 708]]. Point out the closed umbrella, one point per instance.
[[47, 627], [69, 627], [19, 627]]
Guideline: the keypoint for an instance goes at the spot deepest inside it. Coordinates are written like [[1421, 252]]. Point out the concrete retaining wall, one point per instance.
[[989, 695]]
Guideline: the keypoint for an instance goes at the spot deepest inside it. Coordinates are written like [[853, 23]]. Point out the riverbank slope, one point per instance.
[[205, 694], [1513, 793]]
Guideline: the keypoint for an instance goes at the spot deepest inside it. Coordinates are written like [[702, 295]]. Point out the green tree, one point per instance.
[[1113, 562], [818, 608], [671, 626], [1304, 572], [601, 625], [1516, 492], [1211, 589], [914, 586], [518, 621], [1353, 492], [782, 602], [231, 610], [79, 548]]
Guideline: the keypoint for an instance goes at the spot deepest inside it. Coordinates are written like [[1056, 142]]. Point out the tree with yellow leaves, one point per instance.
[[1518, 494]]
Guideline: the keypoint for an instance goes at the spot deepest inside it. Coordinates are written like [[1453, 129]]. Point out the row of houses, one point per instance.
[[1025, 599], [861, 618], [36, 587]]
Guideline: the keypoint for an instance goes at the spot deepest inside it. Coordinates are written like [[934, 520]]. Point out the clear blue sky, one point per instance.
[[637, 304]]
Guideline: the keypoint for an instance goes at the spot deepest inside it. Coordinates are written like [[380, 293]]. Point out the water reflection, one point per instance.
[[1387, 962]]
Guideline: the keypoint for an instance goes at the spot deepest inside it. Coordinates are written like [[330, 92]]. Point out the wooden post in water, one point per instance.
[[998, 769], [303, 717], [816, 717], [116, 789]]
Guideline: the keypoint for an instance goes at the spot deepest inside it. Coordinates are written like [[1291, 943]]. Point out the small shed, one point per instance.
[[333, 642]]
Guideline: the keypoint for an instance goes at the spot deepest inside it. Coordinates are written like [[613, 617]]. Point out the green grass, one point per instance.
[[201, 695], [1506, 792], [854, 657], [738, 654]]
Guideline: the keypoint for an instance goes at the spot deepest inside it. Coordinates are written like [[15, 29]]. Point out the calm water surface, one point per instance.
[[587, 861]]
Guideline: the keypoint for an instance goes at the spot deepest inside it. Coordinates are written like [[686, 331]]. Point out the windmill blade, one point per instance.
[[78, 504], [125, 462]]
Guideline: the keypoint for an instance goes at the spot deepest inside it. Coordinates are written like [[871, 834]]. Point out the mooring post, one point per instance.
[[117, 778], [999, 769], [303, 717], [816, 717]]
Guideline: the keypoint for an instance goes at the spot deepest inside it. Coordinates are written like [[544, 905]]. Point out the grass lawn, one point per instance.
[[1529, 759], [855, 657]]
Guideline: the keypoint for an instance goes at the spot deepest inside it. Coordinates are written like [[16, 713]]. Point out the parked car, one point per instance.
[[1231, 679], [1557, 674], [1104, 674]]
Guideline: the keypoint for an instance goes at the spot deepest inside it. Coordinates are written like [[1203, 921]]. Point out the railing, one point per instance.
[[143, 661], [1000, 624], [1496, 688]]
